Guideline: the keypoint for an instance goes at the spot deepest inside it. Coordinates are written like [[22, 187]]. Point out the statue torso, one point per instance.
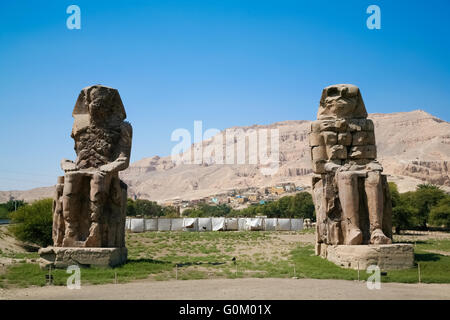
[[96, 146]]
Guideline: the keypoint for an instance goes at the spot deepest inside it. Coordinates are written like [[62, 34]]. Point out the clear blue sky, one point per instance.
[[225, 62]]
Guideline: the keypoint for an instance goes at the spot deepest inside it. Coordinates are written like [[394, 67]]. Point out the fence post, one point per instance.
[[418, 269], [358, 270]]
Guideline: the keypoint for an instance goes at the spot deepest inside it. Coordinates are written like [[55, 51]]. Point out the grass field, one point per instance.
[[192, 255]]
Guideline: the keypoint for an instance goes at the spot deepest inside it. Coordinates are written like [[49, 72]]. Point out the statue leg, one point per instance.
[[98, 195], [71, 207], [349, 197], [374, 191]]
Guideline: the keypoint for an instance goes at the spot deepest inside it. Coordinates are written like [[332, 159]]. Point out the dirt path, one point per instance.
[[252, 289]]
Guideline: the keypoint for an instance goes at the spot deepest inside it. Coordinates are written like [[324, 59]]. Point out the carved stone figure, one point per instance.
[[351, 195], [90, 200]]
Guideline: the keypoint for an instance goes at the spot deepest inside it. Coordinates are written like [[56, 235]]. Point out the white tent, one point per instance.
[[190, 224], [231, 224], [283, 224], [218, 224], [254, 224], [270, 224], [164, 224], [204, 224], [137, 225], [151, 224], [242, 224], [213, 224], [176, 224], [296, 224]]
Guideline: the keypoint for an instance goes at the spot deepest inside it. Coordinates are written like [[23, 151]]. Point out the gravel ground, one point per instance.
[[231, 289]]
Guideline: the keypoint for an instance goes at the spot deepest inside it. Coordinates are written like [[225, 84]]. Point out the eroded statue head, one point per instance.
[[99, 105], [341, 101]]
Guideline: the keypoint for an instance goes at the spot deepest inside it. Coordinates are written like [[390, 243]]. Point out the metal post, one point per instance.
[[358, 270], [418, 269], [176, 271]]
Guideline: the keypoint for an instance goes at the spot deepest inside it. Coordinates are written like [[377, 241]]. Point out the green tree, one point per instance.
[[170, 212], [402, 216], [12, 205], [4, 214], [395, 195], [402, 209], [33, 222], [440, 214], [131, 208], [284, 205], [425, 197], [147, 208], [302, 206]]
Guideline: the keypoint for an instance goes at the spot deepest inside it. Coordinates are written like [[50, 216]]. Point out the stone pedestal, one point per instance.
[[385, 256], [62, 257]]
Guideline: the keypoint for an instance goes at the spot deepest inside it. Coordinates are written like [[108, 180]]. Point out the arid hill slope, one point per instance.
[[413, 147]]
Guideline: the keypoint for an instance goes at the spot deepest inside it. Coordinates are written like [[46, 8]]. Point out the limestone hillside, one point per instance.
[[413, 147]]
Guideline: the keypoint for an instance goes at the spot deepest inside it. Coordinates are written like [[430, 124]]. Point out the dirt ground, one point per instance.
[[237, 289], [8, 244], [228, 289]]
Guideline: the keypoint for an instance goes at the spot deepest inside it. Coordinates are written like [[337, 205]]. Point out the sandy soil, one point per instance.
[[251, 289], [9, 244]]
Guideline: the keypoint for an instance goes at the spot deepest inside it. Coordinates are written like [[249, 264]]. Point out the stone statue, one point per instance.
[[351, 195], [90, 200]]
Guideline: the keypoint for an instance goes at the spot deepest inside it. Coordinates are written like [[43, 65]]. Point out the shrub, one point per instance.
[[3, 213], [424, 199], [302, 206], [147, 208], [440, 214], [12, 205], [402, 209], [33, 222], [131, 208]]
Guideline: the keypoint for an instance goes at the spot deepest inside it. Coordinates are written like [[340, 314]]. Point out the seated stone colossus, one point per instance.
[[351, 195], [90, 201]]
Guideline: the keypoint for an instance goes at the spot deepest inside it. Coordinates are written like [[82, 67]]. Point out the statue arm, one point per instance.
[[374, 165], [123, 160], [68, 165], [331, 166]]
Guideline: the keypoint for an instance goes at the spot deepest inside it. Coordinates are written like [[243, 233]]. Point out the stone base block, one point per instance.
[[385, 256], [62, 257]]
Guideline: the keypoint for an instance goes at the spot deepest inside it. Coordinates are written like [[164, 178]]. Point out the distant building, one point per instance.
[[277, 190], [253, 197], [289, 187]]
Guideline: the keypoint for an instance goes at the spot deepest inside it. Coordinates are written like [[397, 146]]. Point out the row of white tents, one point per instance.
[[213, 224]]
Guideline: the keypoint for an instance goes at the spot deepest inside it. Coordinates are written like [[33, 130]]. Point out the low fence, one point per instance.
[[213, 224]]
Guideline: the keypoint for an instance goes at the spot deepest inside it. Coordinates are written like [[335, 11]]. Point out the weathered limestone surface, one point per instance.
[[351, 195], [385, 256], [89, 205], [60, 257]]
